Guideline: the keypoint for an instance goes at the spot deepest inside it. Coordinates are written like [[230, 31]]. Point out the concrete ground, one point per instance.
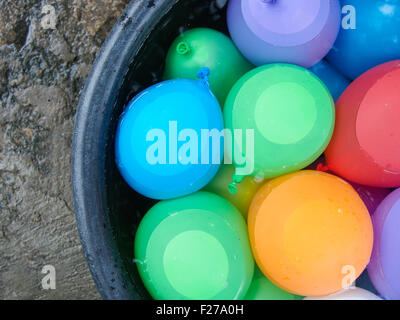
[[42, 71]]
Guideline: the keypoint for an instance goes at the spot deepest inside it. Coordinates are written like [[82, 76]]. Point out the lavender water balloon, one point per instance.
[[299, 32], [384, 268], [371, 196]]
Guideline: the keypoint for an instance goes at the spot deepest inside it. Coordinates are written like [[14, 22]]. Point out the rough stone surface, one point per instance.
[[42, 72]]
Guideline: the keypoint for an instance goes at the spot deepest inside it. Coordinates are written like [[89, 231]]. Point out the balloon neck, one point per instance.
[[232, 187], [203, 75], [183, 48], [322, 168]]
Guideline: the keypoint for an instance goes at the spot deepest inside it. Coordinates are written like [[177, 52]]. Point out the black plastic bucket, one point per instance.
[[131, 59]]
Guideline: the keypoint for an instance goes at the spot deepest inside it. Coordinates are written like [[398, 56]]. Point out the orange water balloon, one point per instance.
[[310, 233]]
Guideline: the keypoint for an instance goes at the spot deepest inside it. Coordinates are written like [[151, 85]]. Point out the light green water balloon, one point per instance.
[[291, 113]]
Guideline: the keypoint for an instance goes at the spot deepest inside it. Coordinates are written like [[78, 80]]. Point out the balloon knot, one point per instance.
[[232, 188], [323, 168], [237, 178], [183, 48], [203, 74]]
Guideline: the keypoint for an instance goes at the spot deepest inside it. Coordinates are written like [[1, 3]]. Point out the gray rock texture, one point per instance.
[[42, 72]]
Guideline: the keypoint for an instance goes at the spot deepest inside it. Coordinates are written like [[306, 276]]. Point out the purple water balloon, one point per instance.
[[371, 196], [384, 268], [299, 32]]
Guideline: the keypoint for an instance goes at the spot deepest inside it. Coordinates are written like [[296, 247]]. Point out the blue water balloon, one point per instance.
[[369, 36], [336, 82], [164, 143]]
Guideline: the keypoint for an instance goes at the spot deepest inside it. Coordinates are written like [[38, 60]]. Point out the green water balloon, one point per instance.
[[195, 247], [291, 115], [263, 289], [204, 47]]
